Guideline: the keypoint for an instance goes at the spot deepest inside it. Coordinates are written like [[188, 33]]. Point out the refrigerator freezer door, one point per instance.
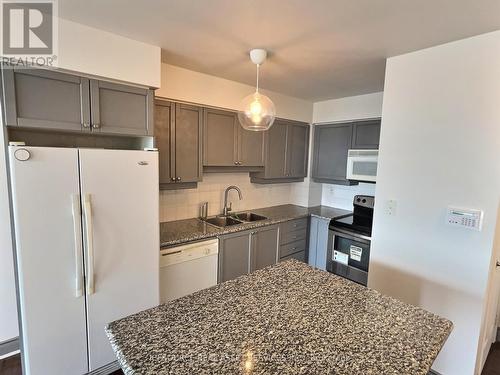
[[123, 191], [52, 311]]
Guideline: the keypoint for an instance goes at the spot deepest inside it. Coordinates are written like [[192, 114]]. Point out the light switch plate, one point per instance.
[[391, 206]]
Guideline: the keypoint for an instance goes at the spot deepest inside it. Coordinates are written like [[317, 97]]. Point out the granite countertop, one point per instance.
[[288, 318], [181, 231]]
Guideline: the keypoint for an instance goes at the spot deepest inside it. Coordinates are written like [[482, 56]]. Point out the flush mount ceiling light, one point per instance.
[[257, 111]]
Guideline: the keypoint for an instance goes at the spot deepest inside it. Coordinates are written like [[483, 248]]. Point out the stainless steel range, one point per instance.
[[349, 240]]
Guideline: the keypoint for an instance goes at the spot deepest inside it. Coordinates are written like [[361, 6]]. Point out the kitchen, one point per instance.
[[296, 186]]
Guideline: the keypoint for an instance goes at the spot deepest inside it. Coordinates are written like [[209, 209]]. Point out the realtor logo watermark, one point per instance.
[[29, 33]]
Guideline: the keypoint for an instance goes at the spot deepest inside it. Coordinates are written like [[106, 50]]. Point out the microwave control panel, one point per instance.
[[465, 217]]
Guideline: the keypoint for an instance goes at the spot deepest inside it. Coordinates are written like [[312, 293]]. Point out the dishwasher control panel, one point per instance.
[[185, 253]]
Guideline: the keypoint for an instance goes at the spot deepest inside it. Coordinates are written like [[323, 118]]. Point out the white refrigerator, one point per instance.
[[87, 250]]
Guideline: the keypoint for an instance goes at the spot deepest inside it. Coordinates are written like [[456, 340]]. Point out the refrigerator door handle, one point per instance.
[[87, 206], [77, 230]]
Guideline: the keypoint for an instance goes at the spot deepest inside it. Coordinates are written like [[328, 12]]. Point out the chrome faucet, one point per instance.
[[226, 208]]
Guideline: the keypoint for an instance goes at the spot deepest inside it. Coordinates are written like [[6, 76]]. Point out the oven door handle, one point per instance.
[[355, 237]]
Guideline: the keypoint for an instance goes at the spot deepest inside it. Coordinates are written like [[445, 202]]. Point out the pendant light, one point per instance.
[[257, 111]]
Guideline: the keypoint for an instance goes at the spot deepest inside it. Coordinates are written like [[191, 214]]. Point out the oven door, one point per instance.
[[348, 255]]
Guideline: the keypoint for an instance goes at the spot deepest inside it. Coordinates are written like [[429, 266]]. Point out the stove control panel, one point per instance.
[[465, 217], [364, 201]]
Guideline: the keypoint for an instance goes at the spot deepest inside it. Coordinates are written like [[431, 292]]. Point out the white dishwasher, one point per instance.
[[188, 268]]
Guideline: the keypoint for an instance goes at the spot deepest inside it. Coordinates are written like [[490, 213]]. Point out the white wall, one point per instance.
[[440, 146], [8, 308], [95, 52], [349, 108], [187, 85]]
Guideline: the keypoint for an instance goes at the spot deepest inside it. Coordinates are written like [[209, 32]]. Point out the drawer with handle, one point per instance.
[[296, 235], [292, 248], [293, 225]]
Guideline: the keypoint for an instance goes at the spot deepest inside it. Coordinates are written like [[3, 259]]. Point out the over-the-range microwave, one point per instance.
[[362, 165]]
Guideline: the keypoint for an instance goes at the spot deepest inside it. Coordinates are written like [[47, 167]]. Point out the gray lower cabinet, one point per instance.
[[318, 242], [264, 247], [227, 144], [293, 240], [331, 145], [45, 99], [178, 133], [244, 252], [286, 149], [234, 255], [51, 100]]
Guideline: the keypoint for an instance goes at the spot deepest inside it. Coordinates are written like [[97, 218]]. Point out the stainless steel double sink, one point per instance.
[[235, 219]]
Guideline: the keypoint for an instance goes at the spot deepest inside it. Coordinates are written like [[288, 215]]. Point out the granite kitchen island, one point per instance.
[[285, 319]]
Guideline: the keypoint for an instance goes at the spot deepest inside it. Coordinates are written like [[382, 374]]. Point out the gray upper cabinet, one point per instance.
[[164, 118], [44, 99], [188, 136], [298, 149], [276, 148], [178, 132], [234, 255], [366, 134], [286, 149], [250, 147], [331, 145], [51, 100], [121, 109], [264, 244], [219, 138], [227, 144]]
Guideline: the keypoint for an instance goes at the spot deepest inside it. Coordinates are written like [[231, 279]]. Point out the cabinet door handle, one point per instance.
[[178, 178], [235, 163], [172, 179], [96, 125], [86, 124]]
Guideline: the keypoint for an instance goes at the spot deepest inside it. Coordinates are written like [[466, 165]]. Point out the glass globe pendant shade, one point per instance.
[[257, 112]]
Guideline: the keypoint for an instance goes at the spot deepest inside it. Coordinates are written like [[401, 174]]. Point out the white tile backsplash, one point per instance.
[[185, 203], [341, 196]]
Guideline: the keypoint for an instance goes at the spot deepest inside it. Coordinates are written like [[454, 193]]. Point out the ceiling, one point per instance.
[[320, 49]]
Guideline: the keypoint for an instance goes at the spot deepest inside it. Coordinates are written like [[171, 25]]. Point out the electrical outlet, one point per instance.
[[391, 207]]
